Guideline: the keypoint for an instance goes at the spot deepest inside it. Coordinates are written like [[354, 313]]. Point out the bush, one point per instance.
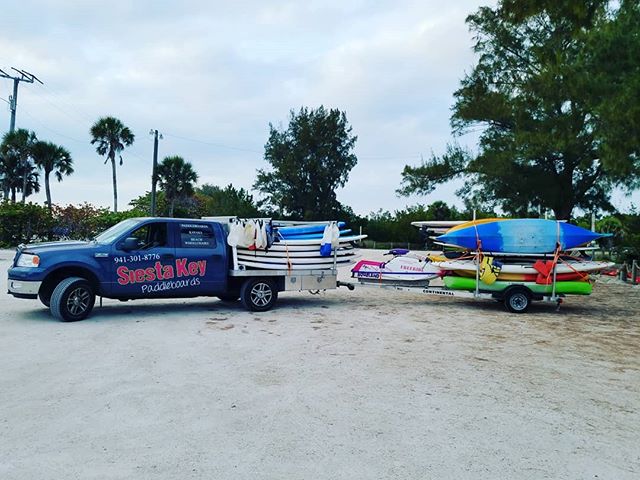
[[23, 223], [31, 223], [85, 221]]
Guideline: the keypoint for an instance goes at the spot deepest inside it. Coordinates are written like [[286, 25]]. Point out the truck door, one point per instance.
[[201, 256], [144, 262]]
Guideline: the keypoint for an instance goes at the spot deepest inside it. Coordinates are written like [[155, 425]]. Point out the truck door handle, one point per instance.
[[166, 256]]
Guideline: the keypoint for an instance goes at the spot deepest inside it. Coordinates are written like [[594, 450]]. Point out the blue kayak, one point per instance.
[[305, 229], [311, 236], [524, 235]]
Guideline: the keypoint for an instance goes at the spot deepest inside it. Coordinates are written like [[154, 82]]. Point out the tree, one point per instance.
[[177, 179], [228, 201], [542, 140], [613, 74], [52, 158], [111, 137], [17, 153], [309, 161]]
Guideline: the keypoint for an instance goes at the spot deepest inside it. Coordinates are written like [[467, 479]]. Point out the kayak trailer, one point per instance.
[[516, 298]]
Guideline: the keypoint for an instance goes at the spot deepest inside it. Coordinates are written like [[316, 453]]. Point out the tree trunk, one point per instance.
[[563, 212], [13, 194], [115, 183], [47, 189], [171, 206], [24, 180]]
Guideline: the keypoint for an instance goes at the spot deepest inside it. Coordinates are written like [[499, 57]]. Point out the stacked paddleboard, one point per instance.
[[299, 247], [529, 252]]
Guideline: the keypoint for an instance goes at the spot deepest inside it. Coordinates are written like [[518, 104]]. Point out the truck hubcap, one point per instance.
[[78, 301], [261, 294]]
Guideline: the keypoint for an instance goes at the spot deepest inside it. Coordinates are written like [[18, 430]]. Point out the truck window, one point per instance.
[[151, 235], [196, 235]]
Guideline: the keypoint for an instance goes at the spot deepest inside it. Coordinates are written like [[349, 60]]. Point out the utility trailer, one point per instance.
[[516, 298]]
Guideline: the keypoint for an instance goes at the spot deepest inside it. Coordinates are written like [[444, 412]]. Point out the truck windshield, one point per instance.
[[110, 234]]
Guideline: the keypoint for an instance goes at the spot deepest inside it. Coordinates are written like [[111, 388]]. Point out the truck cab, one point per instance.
[[137, 258]]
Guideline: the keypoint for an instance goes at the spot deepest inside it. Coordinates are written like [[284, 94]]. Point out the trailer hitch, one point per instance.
[[350, 286]]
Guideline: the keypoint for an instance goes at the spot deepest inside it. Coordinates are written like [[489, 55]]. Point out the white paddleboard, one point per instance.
[[317, 241], [279, 266], [293, 253], [285, 261]]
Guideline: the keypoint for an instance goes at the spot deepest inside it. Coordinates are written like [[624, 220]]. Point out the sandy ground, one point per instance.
[[367, 384]]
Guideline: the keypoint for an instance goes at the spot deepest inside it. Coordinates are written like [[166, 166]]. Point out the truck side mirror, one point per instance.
[[130, 243]]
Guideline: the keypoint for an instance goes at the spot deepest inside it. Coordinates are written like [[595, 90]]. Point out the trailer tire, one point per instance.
[[258, 294], [517, 299], [72, 299]]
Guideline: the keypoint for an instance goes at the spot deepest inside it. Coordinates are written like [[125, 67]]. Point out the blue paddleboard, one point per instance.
[[305, 229], [311, 236]]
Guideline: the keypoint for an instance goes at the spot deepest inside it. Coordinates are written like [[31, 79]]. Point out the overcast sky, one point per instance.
[[211, 75]]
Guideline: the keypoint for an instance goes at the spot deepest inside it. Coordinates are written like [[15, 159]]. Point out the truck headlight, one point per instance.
[[28, 260]]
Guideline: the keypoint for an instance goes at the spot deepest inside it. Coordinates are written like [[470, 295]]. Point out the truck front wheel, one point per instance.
[[258, 294], [72, 299]]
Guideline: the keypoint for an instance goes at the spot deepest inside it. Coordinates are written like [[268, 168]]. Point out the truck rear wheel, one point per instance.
[[72, 299], [258, 294]]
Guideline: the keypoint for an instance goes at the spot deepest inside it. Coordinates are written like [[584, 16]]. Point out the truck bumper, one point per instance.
[[23, 288]]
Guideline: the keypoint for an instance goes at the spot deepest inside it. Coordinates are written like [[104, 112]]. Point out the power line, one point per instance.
[[213, 144]]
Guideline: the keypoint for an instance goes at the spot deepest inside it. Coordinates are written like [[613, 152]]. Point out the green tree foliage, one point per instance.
[[111, 137], [52, 158], [612, 72], [177, 179], [23, 223], [228, 201], [309, 161], [85, 221], [548, 126], [16, 167]]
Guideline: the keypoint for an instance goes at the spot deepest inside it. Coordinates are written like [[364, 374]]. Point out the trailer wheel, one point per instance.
[[517, 299], [72, 299], [258, 295]]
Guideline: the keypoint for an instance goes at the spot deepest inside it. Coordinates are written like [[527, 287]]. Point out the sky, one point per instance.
[[211, 76]]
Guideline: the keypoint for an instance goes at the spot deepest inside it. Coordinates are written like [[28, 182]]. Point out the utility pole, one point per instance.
[[154, 175], [19, 76]]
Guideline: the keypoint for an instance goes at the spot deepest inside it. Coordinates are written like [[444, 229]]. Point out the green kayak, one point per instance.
[[465, 283]]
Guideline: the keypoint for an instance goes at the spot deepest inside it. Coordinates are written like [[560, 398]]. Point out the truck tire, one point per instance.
[[517, 299], [72, 299], [258, 294]]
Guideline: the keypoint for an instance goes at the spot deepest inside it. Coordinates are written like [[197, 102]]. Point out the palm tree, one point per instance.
[[176, 179], [52, 158], [17, 151], [12, 173], [112, 136]]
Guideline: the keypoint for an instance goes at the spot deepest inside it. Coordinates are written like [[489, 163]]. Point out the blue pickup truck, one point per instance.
[[148, 258]]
